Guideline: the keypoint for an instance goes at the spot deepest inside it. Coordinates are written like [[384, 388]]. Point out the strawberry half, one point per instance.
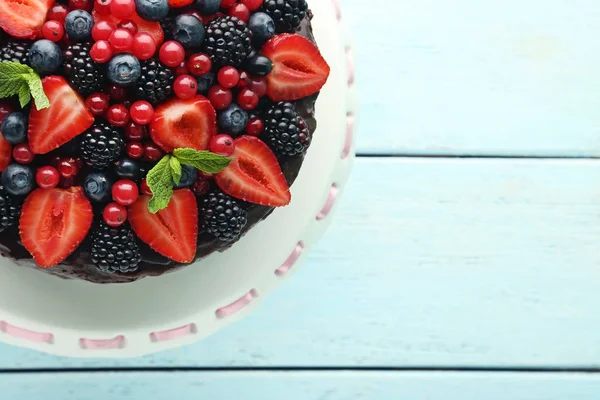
[[299, 69], [24, 18], [184, 124], [66, 117], [54, 222], [154, 29], [254, 175], [5, 147], [173, 231]]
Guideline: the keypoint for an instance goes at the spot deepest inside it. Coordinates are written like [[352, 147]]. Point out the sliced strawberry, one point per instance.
[[54, 222], [180, 3], [66, 117], [5, 147], [23, 18], [299, 69], [184, 124], [154, 29], [173, 231], [254, 175]]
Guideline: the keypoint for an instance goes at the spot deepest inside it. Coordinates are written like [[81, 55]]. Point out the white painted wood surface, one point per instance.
[[430, 262]]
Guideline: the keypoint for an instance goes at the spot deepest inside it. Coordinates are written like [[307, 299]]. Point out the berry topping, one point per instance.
[[114, 214], [152, 152], [287, 14], [53, 30], [134, 131], [228, 77], [189, 175], [254, 175], [18, 180], [128, 169], [23, 18], [121, 40], [227, 41], [189, 31], [102, 30], [128, 25], [258, 65], [125, 192], [299, 69], [101, 145], [185, 87], [152, 28], [14, 127], [135, 150], [98, 103], [255, 126], [233, 120], [66, 117], [84, 75], [68, 168], [122, 9], [97, 186], [171, 53], [208, 7], [220, 98], [102, 7], [23, 154], [117, 115], [222, 216], [172, 231], [262, 27], [58, 12], [124, 69], [78, 25], [142, 112], [15, 51], [285, 132], [45, 57], [223, 145], [199, 64], [155, 84], [53, 223], [247, 99], [10, 208], [144, 46], [47, 177], [184, 124], [152, 10], [114, 249]]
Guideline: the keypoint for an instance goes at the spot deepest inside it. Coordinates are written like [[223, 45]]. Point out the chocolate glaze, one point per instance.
[[79, 264]]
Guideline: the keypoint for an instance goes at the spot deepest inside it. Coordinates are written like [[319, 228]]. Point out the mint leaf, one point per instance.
[[175, 170], [205, 161], [160, 182], [37, 91], [19, 79], [24, 95]]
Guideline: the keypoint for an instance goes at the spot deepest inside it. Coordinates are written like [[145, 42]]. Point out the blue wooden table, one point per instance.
[[464, 262]]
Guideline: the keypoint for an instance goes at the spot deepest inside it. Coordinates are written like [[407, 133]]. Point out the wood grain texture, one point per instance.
[[430, 262], [300, 386], [477, 78]]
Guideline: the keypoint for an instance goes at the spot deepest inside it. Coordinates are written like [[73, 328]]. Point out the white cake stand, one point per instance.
[[80, 319]]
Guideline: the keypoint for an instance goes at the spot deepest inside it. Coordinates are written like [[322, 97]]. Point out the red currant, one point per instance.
[[68, 168], [98, 103], [22, 153], [47, 177], [121, 40], [144, 46], [252, 4], [142, 112], [181, 69], [135, 150], [102, 7], [129, 25], [240, 11], [125, 192], [134, 131], [80, 5], [227, 3], [185, 87], [117, 92], [201, 186], [258, 86], [171, 53], [102, 30], [58, 12], [117, 115], [114, 214], [53, 30], [247, 99], [222, 144], [5, 109], [199, 64], [145, 189], [244, 80], [220, 98], [101, 52], [228, 77], [122, 9], [152, 152], [255, 126]]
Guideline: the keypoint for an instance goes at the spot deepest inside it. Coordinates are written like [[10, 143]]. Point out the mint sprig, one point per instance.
[[19, 79], [168, 172]]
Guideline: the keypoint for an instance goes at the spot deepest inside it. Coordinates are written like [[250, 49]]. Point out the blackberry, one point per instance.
[[155, 84], [101, 145], [287, 14], [227, 41], [115, 249], [10, 209], [15, 51], [285, 131], [222, 216], [81, 71]]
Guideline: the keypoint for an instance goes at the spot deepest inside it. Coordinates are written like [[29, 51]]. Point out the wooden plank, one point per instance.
[[300, 386], [478, 78], [430, 262]]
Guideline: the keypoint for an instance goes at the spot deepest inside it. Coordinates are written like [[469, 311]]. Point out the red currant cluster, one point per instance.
[[241, 8], [111, 39], [124, 193]]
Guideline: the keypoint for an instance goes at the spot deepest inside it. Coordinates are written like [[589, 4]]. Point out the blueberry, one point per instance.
[[128, 169], [14, 128], [233, 119], [152, 10], [97, 186], [78, 25], [258, 65], [208, 7], [124, 69], [262, 27], [205, 82], [18, 179], [189, 31], [45, 57], [188, 176]]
